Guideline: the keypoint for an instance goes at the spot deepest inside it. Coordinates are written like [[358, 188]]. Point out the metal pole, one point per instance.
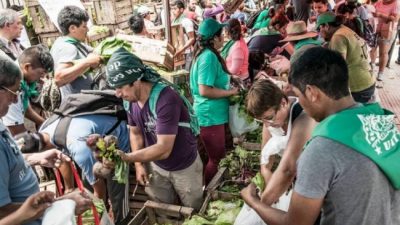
[[167, 24]]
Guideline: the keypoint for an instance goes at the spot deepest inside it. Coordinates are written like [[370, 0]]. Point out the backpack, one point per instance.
[[370, 36], [155, 94], [88, 102], [253, 18]]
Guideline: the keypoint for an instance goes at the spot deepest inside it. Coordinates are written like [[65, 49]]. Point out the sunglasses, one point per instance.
[[15, 93]]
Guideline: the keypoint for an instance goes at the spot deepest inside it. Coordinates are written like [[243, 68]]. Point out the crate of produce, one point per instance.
[[222, 185], [160, 213], [89, 7], [112, 11], [217, 210], [40, 21], [252, 140], [97, 34], [48, 39], [238, 167]]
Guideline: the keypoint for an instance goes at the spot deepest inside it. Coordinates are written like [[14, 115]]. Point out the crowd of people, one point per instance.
[[308, 67]]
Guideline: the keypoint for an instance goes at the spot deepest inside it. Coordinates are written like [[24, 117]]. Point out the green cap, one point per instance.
[[326, 17], [125, 68], [209, 27]]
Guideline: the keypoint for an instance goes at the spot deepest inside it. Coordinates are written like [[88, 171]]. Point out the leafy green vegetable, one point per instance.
[[259, 181], [241, 163], [107, 47], [197, 220], [228, 217], [88, 214], [254, 136]]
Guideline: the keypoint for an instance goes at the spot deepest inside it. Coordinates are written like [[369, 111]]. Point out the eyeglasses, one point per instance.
[[15, 93]]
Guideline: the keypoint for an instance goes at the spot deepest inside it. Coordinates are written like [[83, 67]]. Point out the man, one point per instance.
[[18, 180], [178, 9], [300, 38], [193, 6], [349, 167], [354, 50], [72, 58], [210, 10], [10, 29], [301, 9], [79, 129], [144, 11], [159, 132], [35, 62]]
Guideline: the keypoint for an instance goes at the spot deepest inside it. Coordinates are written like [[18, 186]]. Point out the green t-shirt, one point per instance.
[[355, 51], [207, 70], [262, 20]]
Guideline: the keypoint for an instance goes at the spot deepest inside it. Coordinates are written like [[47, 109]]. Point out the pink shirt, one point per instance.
[[238, 59], [389, 9]]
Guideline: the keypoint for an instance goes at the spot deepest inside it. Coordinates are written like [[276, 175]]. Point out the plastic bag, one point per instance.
[[248, 216], [238, 123]]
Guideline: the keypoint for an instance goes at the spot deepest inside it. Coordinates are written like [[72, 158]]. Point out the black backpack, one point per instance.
[[88, 102], [253, 18]]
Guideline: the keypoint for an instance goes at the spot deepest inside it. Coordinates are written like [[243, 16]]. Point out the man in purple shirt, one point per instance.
[[163, 139]]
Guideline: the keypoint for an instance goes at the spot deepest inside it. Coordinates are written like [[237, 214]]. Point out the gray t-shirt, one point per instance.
[[64, 52], [354, 188]]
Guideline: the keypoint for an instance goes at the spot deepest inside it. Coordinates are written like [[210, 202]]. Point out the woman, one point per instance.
[[266, 40], [209, 84], [236, 52], [285, 131], [386, 13]]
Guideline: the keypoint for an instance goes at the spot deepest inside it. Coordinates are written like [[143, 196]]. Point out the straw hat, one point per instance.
[[297, 31]]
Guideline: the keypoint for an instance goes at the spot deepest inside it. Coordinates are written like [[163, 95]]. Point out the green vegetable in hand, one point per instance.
[[259, 181], [107, 47]]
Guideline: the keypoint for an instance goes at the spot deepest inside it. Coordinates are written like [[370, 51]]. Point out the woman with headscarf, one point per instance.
[[209, 84]]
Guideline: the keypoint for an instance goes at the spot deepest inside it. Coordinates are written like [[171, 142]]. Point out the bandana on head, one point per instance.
[[125, 68]]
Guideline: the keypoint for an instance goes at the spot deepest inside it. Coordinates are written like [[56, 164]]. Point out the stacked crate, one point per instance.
[[42, 24], [137, 195], [113, 13]]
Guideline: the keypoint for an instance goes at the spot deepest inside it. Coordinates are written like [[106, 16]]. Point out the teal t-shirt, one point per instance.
[[207, 70], [262, 20]]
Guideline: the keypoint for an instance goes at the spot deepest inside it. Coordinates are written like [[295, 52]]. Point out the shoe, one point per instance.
[[379, 77]]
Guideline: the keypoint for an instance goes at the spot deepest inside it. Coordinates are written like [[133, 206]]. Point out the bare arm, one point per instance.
[[8, 209], [302, 210], [159, 151], [286, 171], [189, 43], [211, 92], [34, 116], [68, 72]]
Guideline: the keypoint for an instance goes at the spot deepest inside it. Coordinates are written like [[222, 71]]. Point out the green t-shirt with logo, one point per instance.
[[207, 70], [354, 48]]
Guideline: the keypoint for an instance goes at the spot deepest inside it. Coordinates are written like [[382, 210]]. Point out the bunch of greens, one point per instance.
[[94, 30], [105, 151], [218, 213], [259, 181], [87, 216], [241, 100], [230, 188], [241, 164], [107, 47], [254, 136]]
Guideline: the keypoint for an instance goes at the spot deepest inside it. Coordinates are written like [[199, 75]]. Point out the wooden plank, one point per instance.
[[151, 215]]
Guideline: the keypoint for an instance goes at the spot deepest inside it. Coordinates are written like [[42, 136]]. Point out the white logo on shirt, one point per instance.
[[380, 131]]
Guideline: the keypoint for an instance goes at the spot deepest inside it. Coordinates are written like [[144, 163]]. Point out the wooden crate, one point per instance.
[[212, 197], [48, 39], [154, 51], [89, 7], [251, 146], [94, 40], [160, 213], [137, 194], [40, 21], [112, 11]]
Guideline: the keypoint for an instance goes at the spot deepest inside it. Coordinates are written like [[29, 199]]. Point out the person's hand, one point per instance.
[[249, 194], [50, 158], [82, 200], [234, 91], [141, 175], [93, 60], [34, 206], [127, 157]]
